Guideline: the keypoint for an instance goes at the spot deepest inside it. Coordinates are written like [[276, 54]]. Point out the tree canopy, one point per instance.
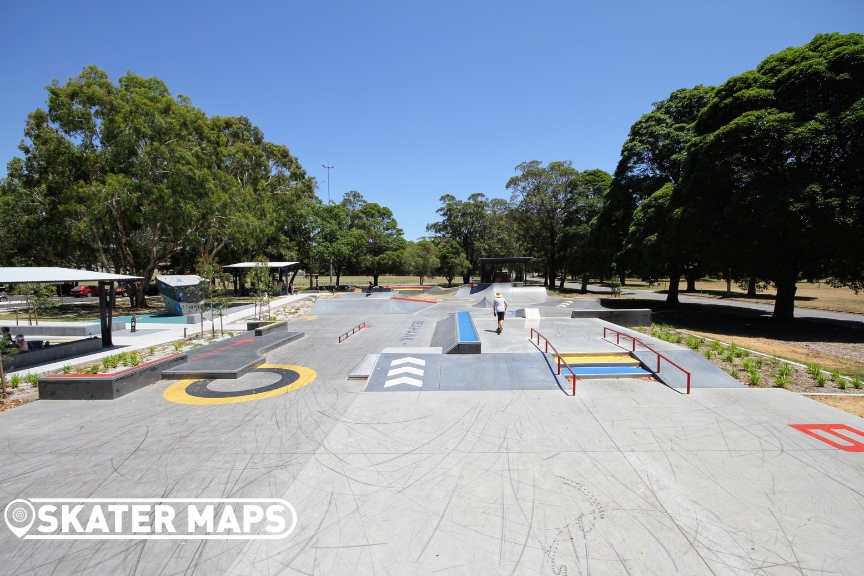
[[773, 178]]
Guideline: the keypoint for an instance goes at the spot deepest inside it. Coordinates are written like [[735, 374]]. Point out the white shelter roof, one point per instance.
[[267, 264], [50, 275]]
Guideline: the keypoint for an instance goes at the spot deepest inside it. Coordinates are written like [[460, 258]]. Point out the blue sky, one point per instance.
[[410, 100]]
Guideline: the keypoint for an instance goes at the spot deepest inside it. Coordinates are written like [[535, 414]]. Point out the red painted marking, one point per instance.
[[415, 300], [237, 343], [85, 375], [831, 430]]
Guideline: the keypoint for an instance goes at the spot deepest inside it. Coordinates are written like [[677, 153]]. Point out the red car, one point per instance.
[[88, 291]]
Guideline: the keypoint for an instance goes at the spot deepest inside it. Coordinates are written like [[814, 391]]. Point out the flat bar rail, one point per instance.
[[635, 340], [558, 357], [352, 331]]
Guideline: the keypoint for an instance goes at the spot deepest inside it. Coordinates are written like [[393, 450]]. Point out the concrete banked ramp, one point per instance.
[[363, 306], [515, 295]]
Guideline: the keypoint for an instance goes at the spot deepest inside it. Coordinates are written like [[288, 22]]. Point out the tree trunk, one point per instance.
[[691, 281], [672, 294], [375, 279], [622, 280], [751, 287], [584, 289], [561, 282], [466, 278], [784, 304]]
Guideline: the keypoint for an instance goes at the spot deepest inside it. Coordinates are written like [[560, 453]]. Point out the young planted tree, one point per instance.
[[259, 278]]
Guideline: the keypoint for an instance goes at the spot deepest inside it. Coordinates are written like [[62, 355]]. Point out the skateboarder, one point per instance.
[[369, 291], [499, 306]]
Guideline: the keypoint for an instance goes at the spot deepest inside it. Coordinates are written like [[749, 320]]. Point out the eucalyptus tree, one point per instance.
[[384, 246], [773, 179], [467, 223], [421, 258], [590, 189], [452, 260], [542, 195]]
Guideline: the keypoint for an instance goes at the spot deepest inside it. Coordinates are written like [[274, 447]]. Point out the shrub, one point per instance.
[[94, 369], [177, 345], [694, 342], [67, 369], [716, 346], [759, 362], [133, 359], [841, 383], [754, 377], [151, 350], [14, 380], [747, 364], [856, 382], [739, 352], [781, 381], [708, 353], [729, 356], [784, 370], [813, 369], [835, 376], [111, 362], [821, 379], [33, 379]]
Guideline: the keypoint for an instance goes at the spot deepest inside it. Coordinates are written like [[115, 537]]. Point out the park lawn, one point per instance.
[[363, 281], [818, 296]]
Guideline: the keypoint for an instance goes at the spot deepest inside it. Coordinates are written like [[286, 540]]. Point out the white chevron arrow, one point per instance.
[[408, 360], [404, 370], [404, 380]]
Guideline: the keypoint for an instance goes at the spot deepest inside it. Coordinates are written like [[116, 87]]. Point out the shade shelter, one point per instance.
[[493, 269], [53, 275], [241, 268]]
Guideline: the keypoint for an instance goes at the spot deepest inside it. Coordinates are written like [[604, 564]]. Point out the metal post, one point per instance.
[[328, 167]]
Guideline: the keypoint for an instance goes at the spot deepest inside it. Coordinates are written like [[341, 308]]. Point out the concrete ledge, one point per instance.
[[53, 353], [262, 327], [230, 359], [626, 318], [451, 339], [82, 329], [105, 386]]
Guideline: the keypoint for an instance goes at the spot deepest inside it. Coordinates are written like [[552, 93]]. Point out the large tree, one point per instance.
[[591, 187], [467, 223], [774, 176], [652, 157], [543, 196], [134, 177]]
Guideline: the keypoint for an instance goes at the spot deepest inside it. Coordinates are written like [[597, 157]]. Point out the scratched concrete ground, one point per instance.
[[629, 477]]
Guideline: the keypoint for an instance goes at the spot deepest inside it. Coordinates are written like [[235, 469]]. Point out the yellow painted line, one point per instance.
[[310, 318], [177, 392], [576, 358]]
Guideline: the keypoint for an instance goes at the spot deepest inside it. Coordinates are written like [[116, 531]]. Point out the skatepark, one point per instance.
[[401, 458]]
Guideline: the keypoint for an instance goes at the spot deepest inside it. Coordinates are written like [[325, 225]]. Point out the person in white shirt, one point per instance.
[[499, 306]]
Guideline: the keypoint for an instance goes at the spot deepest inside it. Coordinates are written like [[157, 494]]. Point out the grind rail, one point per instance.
[[635, 340], [558, 357]]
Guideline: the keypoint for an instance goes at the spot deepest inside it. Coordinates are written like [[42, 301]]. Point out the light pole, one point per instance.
[[328, 167]]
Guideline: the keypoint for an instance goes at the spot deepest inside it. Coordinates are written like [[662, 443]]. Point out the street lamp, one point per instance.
[[328, 167]]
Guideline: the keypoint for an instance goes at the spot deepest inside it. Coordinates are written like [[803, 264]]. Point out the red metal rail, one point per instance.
[[352, 331], [558, 357], [618, 336]]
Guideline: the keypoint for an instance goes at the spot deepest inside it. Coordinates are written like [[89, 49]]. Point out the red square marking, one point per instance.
[[831, 430]]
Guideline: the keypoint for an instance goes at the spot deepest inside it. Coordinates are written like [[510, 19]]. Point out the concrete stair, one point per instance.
[[605, 365]]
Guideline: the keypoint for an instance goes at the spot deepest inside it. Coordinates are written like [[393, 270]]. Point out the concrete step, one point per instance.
[[584, 372]]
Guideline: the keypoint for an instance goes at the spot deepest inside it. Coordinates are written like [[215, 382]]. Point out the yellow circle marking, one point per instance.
[[177, 391]]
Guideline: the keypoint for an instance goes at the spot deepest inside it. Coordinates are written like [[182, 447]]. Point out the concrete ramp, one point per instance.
[[365, 306], [513, 294]]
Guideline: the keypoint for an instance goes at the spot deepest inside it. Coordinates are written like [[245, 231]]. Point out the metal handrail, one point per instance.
[[641, 343], [352, 331], [558, 356]]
